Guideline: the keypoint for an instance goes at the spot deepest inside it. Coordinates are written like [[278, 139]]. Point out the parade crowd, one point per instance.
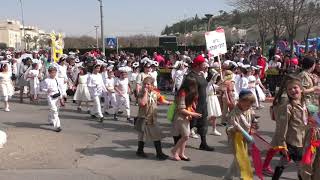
[[208, 91]]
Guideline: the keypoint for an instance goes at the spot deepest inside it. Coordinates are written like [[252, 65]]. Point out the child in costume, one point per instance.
[[82, 93], [33, 77], [146, 122], [291, 127], [96, 88], [52, 87], [6, 85], [110, 101], [186, 100], [213, 104], [122, 95], [240, 119]]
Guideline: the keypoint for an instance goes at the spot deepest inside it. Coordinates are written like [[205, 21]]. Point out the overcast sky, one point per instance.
[[121, 17]]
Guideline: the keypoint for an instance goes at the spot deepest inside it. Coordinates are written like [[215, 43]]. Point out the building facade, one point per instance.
[[14, 35]]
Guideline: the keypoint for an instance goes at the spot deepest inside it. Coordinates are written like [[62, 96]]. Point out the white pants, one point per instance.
[[110, 102], [53, 116], [123, 102], [96, 107]]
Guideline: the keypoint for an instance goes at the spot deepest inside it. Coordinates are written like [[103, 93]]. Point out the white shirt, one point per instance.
[[95, 84], [62, 72], [50, 86], [154, 75], [274, 64], [110, 83], [243, 83], [133, 76], [123, 85]]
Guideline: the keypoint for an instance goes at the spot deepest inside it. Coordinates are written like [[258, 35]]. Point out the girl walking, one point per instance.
[[186, 100], [82, 92], [6, 86]]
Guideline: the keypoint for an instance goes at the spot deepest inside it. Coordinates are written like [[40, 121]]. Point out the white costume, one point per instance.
[[252, 88], [261, 94], [96, 88], [178, 78], [110, 95], [243, 83], [123, 100], [33, 77], [82, 92], [62, 78], [6, 86], [51, 86], [154, 75], [213, 104]]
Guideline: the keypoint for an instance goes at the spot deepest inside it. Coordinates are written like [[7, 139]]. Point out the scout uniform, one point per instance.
[[147, 126], [290, 133], [308, 81]]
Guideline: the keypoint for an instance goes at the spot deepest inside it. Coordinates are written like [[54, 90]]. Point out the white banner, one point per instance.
[[216, 42]]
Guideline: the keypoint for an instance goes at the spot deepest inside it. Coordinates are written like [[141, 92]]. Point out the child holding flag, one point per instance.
[[240, 119]]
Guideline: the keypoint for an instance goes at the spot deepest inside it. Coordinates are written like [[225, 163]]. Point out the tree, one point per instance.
[[293, 14], [275, 21], [258, 8], [312, 14]]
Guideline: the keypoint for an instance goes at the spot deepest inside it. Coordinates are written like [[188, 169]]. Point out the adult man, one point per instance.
[[198, 66]]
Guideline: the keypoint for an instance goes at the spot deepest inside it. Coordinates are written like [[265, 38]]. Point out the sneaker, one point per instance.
[[101, 119], [7, 110], [93, 117], [141, 154], [268, 171], [130, 120], [79, 109], [216, 133], [194, 135], [58, 129]]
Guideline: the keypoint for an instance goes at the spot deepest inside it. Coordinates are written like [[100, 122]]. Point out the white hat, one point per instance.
[[227, 62], [72, 53], [240, 64], [111, 62], [155, 63], [277, 56], [135, 65], [9, 56], [77, 60], [124, 69], [233, 63], [246, 66], [251, 79], [110, 67]]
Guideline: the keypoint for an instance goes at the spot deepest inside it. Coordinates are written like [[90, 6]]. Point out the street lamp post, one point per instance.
[[209, 18], [96, 27], [22, 19], [101, 25]]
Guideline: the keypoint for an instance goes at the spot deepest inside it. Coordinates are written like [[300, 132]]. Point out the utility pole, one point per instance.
[[96, 27], [22, 19], [101, 25]]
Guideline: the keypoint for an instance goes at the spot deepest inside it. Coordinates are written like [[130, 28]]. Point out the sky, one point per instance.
[[121, 17]]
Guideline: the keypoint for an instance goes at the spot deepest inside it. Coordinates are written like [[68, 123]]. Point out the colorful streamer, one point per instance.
[[242, 157]]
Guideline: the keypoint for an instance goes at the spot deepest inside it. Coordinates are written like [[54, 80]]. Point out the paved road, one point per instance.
[[86, 149]]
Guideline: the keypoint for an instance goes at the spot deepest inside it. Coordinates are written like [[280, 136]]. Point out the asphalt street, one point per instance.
[[87, 149]]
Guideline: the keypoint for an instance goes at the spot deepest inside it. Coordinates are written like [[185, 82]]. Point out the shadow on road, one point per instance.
[[209, 170], [114, 152], [28, 125]]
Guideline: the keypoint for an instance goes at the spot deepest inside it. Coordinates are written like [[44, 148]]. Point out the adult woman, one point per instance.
[[309, 81]]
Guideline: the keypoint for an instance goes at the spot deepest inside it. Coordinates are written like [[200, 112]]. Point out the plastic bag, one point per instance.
[[171, 111]]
